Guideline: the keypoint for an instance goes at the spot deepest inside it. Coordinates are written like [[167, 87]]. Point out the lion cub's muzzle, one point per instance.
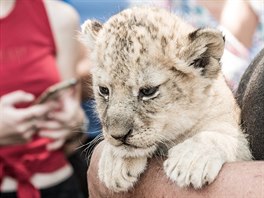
[[121, 139]]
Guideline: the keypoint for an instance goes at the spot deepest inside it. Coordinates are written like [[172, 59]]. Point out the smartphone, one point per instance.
[[53, 92]]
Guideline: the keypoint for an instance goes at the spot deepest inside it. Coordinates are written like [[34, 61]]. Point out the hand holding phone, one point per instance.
[[53, 92], [59, 123]]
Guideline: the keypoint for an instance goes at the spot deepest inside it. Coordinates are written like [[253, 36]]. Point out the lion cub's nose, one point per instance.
[[122, 138]]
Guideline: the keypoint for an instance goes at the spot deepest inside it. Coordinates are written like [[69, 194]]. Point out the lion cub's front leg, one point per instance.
[[198, 160], [120, 173], [189, 164]]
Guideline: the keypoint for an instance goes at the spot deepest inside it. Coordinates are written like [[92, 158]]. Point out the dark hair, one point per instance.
[[250, 97]]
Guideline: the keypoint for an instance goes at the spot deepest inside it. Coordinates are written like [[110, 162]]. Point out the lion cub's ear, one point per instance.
[[89, 33], [205, 49]]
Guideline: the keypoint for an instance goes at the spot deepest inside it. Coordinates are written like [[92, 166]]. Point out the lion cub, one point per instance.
[[158, 84]]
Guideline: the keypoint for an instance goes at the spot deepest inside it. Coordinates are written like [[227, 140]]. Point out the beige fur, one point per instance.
[[192, 112]]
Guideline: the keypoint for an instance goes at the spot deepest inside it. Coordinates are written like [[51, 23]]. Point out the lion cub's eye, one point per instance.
[[103, 91], [148, 92]]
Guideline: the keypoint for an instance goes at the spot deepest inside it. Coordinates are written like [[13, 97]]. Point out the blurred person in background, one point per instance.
[[38, 49]]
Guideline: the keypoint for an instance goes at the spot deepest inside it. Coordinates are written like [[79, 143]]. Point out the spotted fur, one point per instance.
[[191, 111]]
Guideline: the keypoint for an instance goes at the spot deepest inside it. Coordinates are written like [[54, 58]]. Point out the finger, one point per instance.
[[55, 145], [60, 116], [26, 126], [58, 134], [28, 135], [54, 105], [52, 125], [68, 112], [17, 97], [21, 138], [36, 111]]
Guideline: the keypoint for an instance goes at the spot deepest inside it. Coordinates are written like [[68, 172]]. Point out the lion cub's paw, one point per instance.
[[192, 164], [120, 174]]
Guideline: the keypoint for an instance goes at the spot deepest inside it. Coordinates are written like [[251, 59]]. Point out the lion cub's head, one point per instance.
[[152, 76]]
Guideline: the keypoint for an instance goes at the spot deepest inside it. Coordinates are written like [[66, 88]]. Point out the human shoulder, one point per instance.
[[64, 22], [61, 14]]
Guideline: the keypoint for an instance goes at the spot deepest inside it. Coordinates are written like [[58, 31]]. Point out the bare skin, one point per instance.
[[239, 179], [243, 28]]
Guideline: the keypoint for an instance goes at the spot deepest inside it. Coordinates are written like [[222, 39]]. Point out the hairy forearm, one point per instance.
[[238, 179]]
